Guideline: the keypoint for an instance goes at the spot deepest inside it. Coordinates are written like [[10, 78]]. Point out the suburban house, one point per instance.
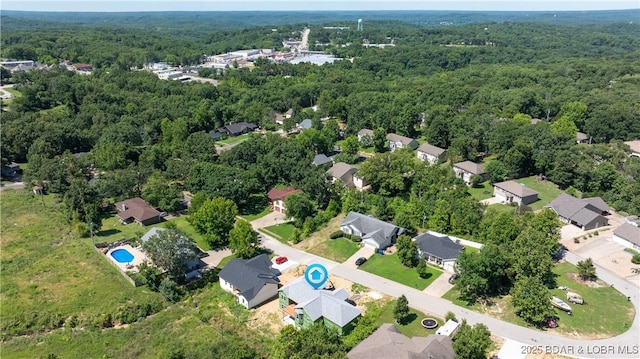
[[215, 135], [347, 174], [277, 197], [582, 137], [374, 232], [321, 160], [431, 153], [396, 141], [635, 147], [365, 136], [467, 169], [513, 192], [586, 213], [138, 211], [305, 124], [237, 129], [438, 249], [250, 280], [628, 233], [306, 306], [387, 342]]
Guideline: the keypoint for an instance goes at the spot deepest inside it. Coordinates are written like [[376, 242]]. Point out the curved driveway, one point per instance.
[[536, 341]]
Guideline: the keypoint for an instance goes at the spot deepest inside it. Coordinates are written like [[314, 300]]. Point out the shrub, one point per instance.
[[355, 238], [337, 234], [421, 268], [576, 240], [596, 233], [636, 258], [450, 316], [80, 229], [169, 289]]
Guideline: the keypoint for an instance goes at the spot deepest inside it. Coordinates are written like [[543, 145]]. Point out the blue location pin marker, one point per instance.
[[316, 275]]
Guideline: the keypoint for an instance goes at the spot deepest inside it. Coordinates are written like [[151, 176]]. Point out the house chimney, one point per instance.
[[124, 206]]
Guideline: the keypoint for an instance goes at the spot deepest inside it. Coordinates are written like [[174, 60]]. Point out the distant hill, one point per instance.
[[211, 21]]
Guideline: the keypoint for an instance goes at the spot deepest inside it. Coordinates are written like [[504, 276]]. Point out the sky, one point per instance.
[[279, 5]]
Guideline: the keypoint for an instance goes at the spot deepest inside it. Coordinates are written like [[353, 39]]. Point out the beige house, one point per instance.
[[396, 141], [467, 169], [513, 192], [348, 174], [431, 154]]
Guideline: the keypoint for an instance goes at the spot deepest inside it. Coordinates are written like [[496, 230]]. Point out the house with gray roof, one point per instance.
[[251, 280], [365, 136], [306, 306], [586, 213], [467, 169], [321, 160], [388, 343], [346, 173], [513, 192], [152, 232], [374, 232], [430, 153], [237, 129], [305, 124], [396, 141], [438, 249], [628, 234], [582, 137]]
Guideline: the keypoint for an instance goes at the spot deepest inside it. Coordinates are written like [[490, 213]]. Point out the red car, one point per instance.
[[281, 260]]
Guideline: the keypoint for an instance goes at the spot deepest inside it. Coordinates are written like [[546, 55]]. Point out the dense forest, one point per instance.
[[472, 89]]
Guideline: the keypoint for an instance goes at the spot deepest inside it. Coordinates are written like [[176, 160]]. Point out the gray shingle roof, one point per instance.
[[628, 232], [371, 227], [321, 159], [398, 138], [438, 245], [249, 275], [343, 171], [365, 132], [517, 189], [470, 167], [581, 211], [321, 303], [431, 149], [305, 124], [152, 232], [388, 343]]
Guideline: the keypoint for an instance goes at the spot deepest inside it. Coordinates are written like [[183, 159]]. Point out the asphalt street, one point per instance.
[[621, 346]]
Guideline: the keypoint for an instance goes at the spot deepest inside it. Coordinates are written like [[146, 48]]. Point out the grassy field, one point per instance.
[[338, 250], [389, 266], [413, 328], [547, 191], [281, 232], [483, 192], [604, 315], [49, 276]]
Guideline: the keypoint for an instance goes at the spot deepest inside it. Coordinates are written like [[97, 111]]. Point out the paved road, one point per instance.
[[15, 185], [304, 44], [603, 348]]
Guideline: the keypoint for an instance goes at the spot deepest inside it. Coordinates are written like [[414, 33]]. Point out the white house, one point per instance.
[[250, 280], [628, 233], [396, 141], [467, 169], [365, 136], [438, 249], [346, 173], [431, 154], [513, 192]]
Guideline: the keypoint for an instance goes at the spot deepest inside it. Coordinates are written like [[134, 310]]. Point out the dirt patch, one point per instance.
[[267, 316], [591, 283], [321, 235]]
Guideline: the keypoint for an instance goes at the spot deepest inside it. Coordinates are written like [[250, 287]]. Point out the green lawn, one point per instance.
[[412, 329], [281, 232], [232, 140], [338, 250], [253, 217], [605, 313], [498, 207], [547, 191], [112, 230], [389, 266], [483, 192]]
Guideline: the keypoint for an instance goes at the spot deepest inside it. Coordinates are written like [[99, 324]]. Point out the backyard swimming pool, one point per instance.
[[122, 256]]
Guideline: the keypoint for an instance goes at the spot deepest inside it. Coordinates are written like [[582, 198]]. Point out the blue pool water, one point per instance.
[[122, 256]]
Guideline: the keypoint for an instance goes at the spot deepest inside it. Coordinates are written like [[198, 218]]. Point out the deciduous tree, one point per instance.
[[242, 240], [214, 219], [170, 249]]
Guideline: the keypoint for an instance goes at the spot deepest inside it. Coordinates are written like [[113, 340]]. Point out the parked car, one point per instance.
[[360, 261], [551, 322], [453, 278], [281, 260]]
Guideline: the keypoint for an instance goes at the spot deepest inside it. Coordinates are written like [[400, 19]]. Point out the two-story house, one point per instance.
[[346, 173], [278, 196], [430, 153], [396, 141], [467, 169]]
